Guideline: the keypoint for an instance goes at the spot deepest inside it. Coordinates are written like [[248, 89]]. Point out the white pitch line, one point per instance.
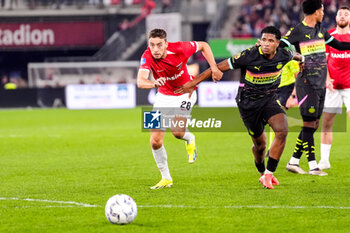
[[246, 207], [43, 206], [26, 136], [75, 204], [49, 201]]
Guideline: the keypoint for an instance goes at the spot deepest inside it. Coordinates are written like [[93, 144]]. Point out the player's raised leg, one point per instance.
[[190, 146], [189, 138], [160, 156]]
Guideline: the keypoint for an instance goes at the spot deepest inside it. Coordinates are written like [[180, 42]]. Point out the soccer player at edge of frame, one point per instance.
[[167, 61], [261, 68], [339, 75], [309, 39]]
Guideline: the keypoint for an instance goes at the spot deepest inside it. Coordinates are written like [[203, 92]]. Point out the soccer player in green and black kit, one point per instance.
[[309, 39], [261, 68]]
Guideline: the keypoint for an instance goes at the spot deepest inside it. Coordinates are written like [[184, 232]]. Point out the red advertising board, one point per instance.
[[52, 34]]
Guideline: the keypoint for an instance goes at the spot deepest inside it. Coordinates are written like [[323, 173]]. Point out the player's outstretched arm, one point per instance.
[[189, 86], [144, 83], [208, 54], [339, 44]]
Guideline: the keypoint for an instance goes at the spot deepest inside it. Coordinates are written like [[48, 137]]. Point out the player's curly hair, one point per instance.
[[310, 6], [272, 30], [157, 32]]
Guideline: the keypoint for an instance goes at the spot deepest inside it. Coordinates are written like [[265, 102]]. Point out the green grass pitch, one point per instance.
[[71, 157]]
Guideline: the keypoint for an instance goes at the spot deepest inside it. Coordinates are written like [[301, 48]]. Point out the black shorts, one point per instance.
[[311, 102], [255, 114], [283, 94]]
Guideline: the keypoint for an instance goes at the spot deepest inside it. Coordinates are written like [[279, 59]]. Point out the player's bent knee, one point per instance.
[[261, 149], [282, 136], [178, 134], [260, 146], [156, 143]]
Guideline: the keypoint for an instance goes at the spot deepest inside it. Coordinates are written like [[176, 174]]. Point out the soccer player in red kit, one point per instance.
[[339, 74], [167, 62]]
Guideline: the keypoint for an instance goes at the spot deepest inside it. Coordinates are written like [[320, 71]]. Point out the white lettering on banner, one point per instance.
[[25, 36], [340, 55], [194, 123]]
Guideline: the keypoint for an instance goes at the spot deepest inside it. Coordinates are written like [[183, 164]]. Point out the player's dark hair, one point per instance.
[[157, 32], [272, 30], [310, 6], [344, 8]]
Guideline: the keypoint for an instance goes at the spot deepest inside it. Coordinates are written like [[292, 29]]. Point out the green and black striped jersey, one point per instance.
[[260, 76], [311, 43]]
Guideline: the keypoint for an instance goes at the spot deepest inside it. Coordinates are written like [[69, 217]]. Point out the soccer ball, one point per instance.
[[121, 209]]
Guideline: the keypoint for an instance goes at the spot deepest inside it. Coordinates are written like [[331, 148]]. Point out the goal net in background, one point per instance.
[[61, 74]]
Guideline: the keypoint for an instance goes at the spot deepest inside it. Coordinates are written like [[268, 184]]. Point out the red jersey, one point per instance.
[[339, 62], [173, 67]]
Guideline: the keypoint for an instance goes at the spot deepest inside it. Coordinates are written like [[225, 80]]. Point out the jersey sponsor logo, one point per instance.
[[340, 55], [143, 61], [160, 71], [179, 66], [265, 78], [176, 76], [308, 36], [313, 46]]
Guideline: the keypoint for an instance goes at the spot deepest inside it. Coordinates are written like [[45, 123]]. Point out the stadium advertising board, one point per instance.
[[221, 94], [53, 34], [96, 96], [228, 48]]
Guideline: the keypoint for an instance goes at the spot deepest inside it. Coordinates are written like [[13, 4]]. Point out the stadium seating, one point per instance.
[[256, 14]]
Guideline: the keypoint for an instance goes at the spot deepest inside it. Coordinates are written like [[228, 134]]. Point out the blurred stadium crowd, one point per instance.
[[257, 14], [253, 16], [80, 4]]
